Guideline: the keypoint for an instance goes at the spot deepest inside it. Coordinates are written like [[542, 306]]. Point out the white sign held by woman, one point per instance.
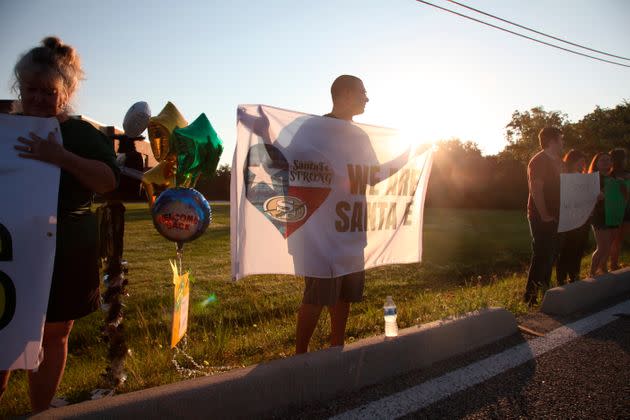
[[28, 216], [578, 196]]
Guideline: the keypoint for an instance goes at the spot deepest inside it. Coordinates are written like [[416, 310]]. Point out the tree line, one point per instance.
[[463, 178]]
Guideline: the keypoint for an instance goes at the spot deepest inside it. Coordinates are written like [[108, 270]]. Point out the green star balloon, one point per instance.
[[198, 149]]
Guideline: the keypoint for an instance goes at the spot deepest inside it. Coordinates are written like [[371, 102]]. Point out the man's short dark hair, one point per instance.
[[342, 83], [547, 135]]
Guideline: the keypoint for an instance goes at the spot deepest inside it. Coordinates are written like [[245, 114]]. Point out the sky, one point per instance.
[[429, 73]]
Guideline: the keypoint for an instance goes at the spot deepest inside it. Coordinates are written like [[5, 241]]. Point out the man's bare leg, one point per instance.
[[308, 315], [338, 320]]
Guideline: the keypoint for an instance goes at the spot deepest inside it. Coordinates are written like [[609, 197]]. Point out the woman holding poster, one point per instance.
[[46, 78], [572, 243]]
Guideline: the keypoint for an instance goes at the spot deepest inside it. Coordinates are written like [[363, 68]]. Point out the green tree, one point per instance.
[[604, 129], [461, 177], [601, 130], [216, 187], [458, 175], [522, 131]]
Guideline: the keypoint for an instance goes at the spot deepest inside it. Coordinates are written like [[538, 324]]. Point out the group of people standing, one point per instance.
[[47, 78], [566, 249]]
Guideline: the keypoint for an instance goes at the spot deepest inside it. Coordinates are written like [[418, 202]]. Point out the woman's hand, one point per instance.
[[93, 174], [46, 150]]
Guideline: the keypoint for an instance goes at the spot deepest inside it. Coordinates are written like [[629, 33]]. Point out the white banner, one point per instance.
[[578, 196], [323, 197], [28, 193]]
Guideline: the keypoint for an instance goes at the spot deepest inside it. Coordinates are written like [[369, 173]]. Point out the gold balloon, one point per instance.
[[162, 175], [161, 127], [159, 138]]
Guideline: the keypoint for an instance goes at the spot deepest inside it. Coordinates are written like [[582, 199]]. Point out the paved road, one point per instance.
[[585, 376]]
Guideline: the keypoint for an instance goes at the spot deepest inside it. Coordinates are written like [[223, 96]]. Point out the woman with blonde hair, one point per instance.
[[46, 78]]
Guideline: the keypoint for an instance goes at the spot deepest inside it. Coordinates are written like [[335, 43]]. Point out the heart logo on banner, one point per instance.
[[288, 205]]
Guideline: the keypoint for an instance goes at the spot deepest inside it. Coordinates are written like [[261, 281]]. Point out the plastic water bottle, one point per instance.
[[391, 328]]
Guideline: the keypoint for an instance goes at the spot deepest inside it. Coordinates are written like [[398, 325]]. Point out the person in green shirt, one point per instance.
[[619, 171], [47, 77], [603, 233]]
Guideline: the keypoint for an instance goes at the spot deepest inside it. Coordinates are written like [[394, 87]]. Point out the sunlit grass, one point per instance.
[[472, 259]]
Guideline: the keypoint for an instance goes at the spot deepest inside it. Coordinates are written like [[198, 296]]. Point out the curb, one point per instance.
[[583, 294], [273, 387]]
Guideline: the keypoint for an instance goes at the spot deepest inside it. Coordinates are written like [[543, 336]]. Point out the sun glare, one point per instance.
[[408, 138], [430, 112]]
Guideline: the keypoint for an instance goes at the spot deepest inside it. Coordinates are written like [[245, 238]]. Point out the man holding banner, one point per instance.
[[315, 193], [337, 293]]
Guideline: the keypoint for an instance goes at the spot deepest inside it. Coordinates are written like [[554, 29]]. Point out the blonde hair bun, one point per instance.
[[52, 59], [57, 46], [52, 42]]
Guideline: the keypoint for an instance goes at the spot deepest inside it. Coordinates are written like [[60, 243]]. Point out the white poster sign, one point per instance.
[[323, 197], [28, 211], [578, 196]]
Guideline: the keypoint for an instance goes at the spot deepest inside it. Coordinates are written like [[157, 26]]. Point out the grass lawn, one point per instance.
[[473, 259]]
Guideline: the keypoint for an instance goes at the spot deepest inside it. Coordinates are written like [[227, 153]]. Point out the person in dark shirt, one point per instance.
[[47, 78], [543, 210], [572, 243]]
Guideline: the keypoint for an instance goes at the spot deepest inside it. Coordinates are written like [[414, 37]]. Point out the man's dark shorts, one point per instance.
[[327, 292]]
